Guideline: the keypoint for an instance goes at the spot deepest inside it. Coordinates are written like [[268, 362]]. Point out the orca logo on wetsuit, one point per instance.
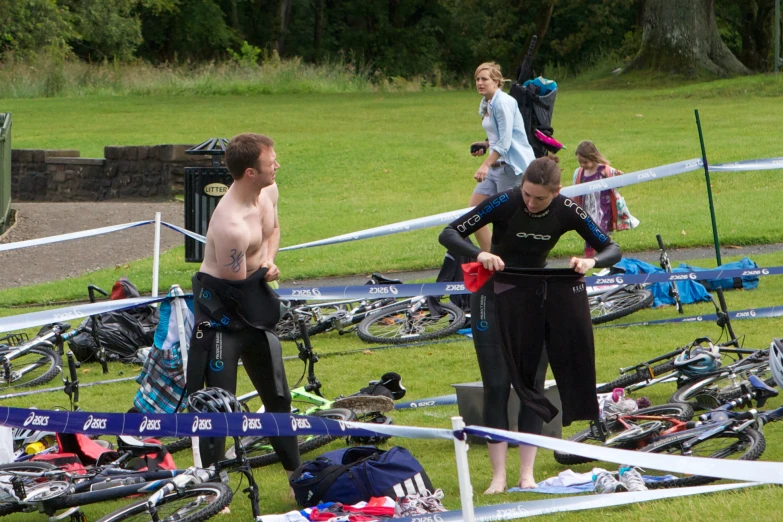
[[595, 229], [481, 212], [540, 237], [482, 325]]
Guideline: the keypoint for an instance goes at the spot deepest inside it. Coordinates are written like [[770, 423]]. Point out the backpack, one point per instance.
[[352, 475]]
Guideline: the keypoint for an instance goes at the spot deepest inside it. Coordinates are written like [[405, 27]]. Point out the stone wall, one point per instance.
[[124, 173]]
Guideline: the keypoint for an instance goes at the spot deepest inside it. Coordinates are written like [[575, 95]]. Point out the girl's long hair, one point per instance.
[[588, 151]]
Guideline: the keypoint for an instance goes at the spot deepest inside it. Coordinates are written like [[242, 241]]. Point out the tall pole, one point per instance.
[[777, 35], [709, 191]]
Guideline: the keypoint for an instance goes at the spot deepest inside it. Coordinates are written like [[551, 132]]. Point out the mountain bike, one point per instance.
[[192, 494], [661, 369]]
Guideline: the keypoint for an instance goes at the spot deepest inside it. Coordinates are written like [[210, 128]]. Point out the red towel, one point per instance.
[[475, 275]]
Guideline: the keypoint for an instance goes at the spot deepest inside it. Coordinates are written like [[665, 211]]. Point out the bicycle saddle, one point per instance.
[[380, 279]]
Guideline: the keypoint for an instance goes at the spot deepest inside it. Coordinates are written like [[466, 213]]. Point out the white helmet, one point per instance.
[[776, 360], [700, 358]]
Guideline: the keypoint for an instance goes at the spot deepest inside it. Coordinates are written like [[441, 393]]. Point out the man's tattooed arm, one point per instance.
[[236, 260]]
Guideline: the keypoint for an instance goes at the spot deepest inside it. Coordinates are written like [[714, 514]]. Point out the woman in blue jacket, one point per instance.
[[507, 149]]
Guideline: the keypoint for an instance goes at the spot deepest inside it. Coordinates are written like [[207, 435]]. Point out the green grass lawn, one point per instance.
[[361, 160], [355, 161], [430, 370]]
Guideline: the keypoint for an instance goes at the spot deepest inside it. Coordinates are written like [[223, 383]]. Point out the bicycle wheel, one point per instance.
[[628, 438], [287, 328], [723, 386], [396, 324], [38, 365], [192, 504], [260, 452], [632, 378], [175, 445], [748, 444], [29, 483], [625, 302]]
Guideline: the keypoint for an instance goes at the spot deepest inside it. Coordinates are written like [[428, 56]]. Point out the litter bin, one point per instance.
[[470, 401], [204, 186]]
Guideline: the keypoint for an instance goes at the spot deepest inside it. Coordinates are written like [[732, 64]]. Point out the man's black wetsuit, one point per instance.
[[515, 314], [236, 319]]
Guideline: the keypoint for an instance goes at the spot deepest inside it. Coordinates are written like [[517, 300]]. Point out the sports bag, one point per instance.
[[746, 282], [352, 475]]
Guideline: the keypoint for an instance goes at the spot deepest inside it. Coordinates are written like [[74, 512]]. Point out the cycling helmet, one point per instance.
[[700, 358], [393, 382], [776, 361], [214, 400]]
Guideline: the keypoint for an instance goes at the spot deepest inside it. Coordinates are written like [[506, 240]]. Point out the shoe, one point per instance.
[[409, 506], [432, 501], [604, 482], [632, 479]]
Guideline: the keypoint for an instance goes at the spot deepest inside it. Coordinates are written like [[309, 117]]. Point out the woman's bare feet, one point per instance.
[[496, 486], [527, 483]]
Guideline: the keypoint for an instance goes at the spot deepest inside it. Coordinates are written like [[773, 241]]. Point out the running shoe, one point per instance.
[[432, 501], [604, 482], [632, 479], [409, 506]]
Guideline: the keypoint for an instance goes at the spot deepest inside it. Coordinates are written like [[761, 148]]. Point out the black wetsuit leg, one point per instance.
[[533, 311], [257, 361], [492, 365], [252, 347], [495, 378]]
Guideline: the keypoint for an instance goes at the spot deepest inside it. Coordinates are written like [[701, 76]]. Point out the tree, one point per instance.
[[749, 26], [682, 37]]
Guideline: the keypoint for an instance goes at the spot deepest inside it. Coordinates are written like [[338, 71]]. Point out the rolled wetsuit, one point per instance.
[[523, 240], [235, 320]]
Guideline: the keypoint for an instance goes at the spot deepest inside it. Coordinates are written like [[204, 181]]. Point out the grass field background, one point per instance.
[[355, 161]]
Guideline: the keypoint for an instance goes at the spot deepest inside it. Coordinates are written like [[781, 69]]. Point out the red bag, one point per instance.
[[65, 461], [475, 275]]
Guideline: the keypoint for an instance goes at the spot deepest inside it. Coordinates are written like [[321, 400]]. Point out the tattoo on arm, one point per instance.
[[236, 260]]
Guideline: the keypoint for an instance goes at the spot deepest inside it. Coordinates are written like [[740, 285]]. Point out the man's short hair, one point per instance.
[[243, 150]]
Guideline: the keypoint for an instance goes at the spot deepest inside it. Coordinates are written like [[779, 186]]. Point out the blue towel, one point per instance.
[[580, 488], [690, 291]]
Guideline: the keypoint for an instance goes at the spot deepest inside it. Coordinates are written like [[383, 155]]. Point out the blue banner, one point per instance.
[[751, 313], [443, 400]]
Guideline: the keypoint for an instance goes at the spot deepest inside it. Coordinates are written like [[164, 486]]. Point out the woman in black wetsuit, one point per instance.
[[523, 308]]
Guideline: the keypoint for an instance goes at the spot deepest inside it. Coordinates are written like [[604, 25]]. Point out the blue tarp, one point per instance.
[[690, 291]]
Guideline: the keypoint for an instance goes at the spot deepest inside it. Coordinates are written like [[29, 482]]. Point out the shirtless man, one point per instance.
[[235, 309]]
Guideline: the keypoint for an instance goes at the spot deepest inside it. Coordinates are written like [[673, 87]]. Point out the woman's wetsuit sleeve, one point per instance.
[[492, 209], [607, 251]]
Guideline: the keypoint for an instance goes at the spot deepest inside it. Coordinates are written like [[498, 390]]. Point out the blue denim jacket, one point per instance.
[[512, 141]]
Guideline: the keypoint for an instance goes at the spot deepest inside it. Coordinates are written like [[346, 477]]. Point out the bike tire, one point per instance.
[[723, 386], [633, 377], [624, 302], [748, 444], [218, 496], [8, 508], [385, 326], [177, 445], [682, 412], [48, 359], [264, 455]]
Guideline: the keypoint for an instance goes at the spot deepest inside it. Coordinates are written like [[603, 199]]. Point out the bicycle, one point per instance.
[[650, 372], [610, 302], [192, 494], [669, 429], [385, 320]]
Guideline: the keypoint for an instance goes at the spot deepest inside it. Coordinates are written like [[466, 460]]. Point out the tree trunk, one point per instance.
[[284, 16], [682, 37], [756, 33], [318, 28]]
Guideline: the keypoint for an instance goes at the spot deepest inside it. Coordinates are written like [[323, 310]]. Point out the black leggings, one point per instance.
[[495, 378], [535, 310], [252, 347]]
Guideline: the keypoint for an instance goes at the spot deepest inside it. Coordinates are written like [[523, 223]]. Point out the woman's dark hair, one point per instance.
[[543, 171]]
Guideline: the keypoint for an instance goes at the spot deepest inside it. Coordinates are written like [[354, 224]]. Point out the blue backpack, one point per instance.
[[351, 475]]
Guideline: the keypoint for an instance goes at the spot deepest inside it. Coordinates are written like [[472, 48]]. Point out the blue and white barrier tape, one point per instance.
[[750, 313], [632, 178], [31, 320], [72, 235], [198, 424], [193, 235], [751, 471], [532, 508], [443, 400], [280, 424]]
